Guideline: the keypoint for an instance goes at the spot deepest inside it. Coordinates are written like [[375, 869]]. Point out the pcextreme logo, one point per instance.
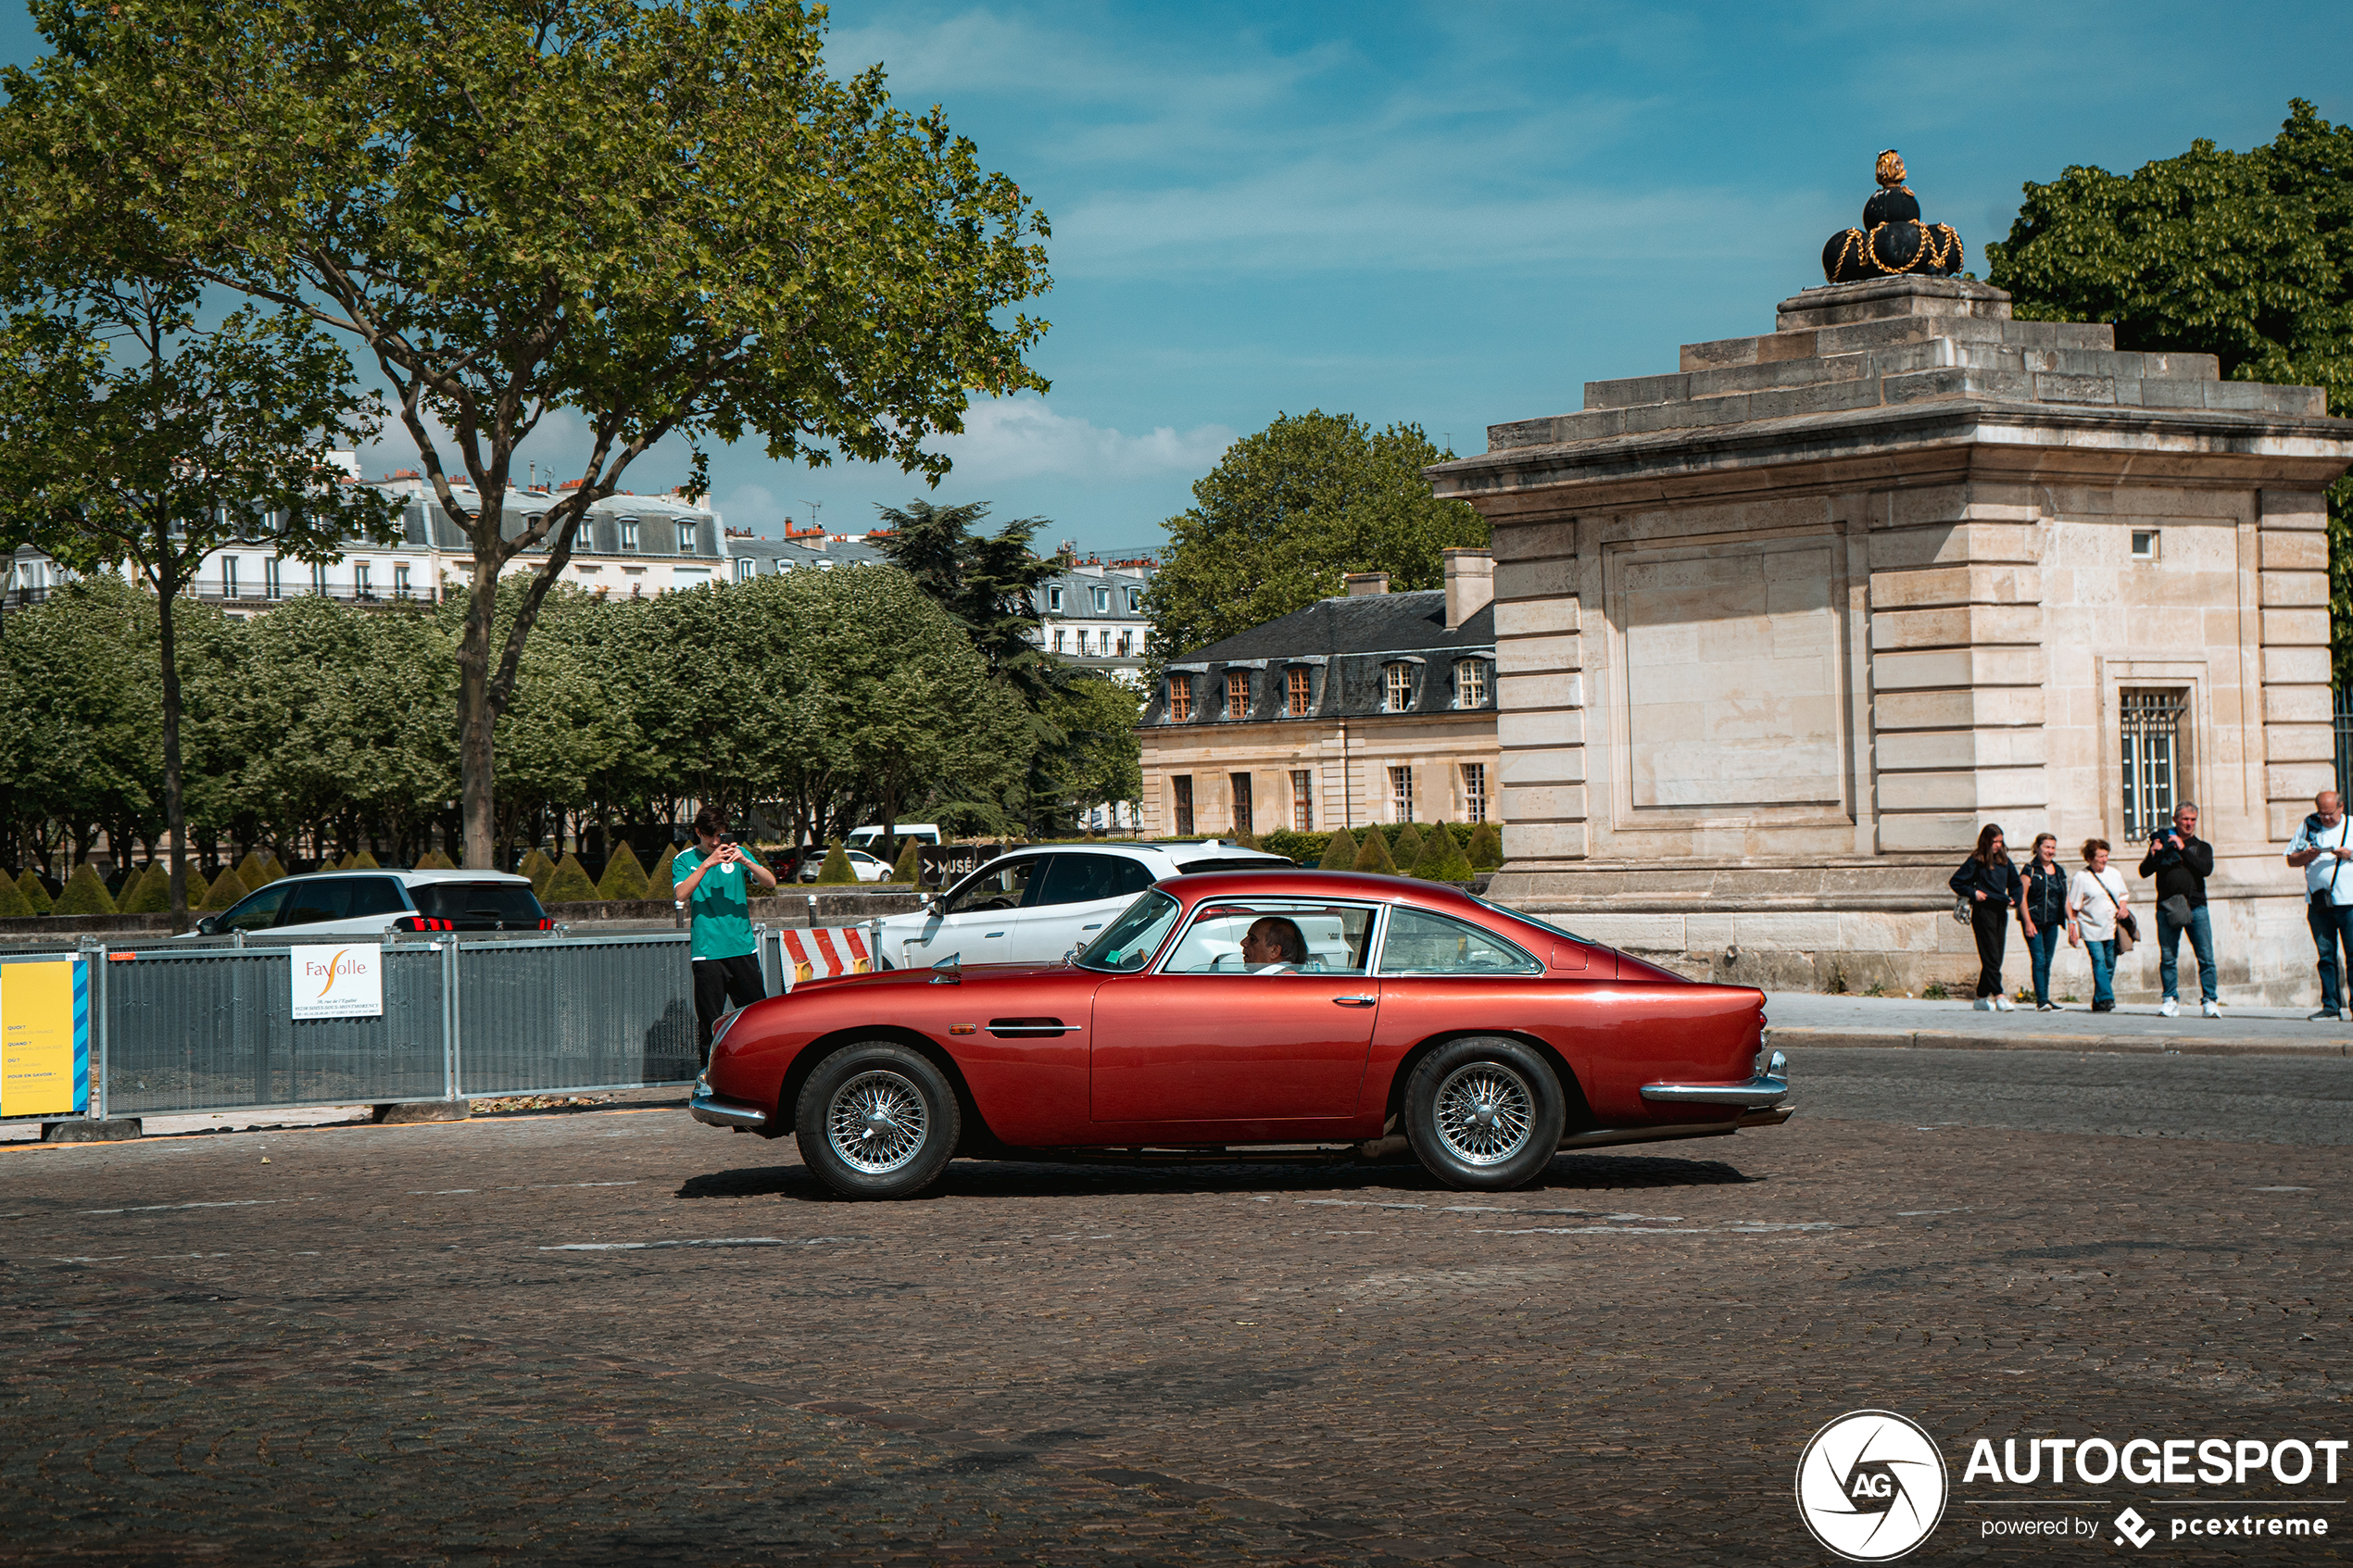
[[1872, 1485]]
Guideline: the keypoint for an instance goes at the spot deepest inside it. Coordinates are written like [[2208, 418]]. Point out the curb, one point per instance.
[[2118, 1045]]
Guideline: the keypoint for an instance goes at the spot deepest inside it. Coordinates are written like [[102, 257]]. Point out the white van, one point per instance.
[[874, 832]]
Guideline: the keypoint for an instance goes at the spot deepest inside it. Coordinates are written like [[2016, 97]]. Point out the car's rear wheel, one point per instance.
[[877, 1120], [1484, 1113]]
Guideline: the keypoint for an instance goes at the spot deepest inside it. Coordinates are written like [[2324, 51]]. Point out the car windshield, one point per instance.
[[1129, 942], [1525, 919]]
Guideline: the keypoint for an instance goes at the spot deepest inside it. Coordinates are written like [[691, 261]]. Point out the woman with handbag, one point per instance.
[[2097, 920], [2042, 914], [1989, 885]]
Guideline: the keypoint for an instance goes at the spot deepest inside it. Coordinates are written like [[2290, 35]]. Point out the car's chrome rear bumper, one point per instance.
[[707, 1109], [1770, 1087]]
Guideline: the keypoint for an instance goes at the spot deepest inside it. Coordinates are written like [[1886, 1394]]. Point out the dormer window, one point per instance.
[[685, 538], [1103, 601], [1135, 601], [629, 534], [1300, 692], [1471, 683], [1397, 688], [1053, 601], [1238, 694], [1180, 699]]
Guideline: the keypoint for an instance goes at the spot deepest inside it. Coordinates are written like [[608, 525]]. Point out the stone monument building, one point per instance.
[[1776, 633]]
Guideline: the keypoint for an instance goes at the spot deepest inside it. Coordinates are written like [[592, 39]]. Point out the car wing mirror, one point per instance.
[[949, 971], [209, 926]]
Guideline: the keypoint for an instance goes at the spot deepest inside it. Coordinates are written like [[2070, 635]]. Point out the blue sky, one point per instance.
[[1459, 214]]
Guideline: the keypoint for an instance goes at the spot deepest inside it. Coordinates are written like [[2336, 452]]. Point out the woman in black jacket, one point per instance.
[[2042, 914], [1991, 884]]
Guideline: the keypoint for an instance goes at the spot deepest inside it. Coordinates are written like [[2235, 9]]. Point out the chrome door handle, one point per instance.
[[1354, 1001]]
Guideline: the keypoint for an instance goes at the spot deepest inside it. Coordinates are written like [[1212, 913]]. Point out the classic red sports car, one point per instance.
[[1239, 1014]]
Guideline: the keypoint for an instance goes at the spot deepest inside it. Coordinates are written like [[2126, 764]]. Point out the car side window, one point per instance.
[[1273, 937], [376, 896], [311, 903], [1422, 943], [258, 912], [998, 885], [1083, 879]]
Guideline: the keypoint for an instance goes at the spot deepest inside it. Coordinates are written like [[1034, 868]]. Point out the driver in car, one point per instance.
[[1273, 945]]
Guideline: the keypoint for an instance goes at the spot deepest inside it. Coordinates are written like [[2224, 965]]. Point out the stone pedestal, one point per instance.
[[1777, 632]]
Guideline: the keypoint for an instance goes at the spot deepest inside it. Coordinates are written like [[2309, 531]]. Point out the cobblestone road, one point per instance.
[[620, 1338]]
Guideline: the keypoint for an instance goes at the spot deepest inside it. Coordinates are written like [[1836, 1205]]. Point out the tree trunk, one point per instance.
[[476, 721], [175, 816]]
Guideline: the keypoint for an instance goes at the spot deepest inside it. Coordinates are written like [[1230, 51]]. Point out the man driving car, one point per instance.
[[1273, 945]]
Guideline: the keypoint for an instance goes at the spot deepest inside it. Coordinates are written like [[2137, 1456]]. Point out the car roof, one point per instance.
[[413, 879], [1303, 882], [1214, 849]]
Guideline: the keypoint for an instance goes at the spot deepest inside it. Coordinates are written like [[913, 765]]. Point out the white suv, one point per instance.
[[1032, 905], [335, 904]]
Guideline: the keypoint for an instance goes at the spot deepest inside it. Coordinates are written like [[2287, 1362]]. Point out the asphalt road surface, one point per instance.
[[614, 1337]]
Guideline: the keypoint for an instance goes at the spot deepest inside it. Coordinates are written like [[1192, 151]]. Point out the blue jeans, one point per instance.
[[2169, 943], [2102, 956], [2332, 927], [2039, 948]]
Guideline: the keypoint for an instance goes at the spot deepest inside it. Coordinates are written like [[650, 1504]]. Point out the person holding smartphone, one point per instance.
[[2320, 852], [2182, 861], [713, 878]]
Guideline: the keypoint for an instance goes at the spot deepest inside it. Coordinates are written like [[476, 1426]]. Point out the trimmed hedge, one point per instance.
[[1339, 852], [569, 884], [1441, 859], [149, 893], [624, 878], [35, 891], [1373, 855], [1407, 845], [85, 894], [221, 895], [435, 860], [835, 872], [910, 869], [1485, 850], [538, 868], [661, 885], [363, 861], [14, 905], [251, 870]]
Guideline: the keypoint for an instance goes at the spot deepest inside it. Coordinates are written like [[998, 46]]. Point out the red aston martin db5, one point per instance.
[[1253, 1014]]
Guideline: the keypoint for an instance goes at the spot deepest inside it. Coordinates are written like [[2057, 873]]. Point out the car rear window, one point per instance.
[[1235, 864], [482, 904]]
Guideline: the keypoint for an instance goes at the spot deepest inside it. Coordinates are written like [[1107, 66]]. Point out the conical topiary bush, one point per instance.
[[569, 884], [624, 878], [538, 868], [836, 870], [343, 864], [1406, 848], [1340, 854], [1441, 859], [249, 870], [910, 869], [35, 891], [661, 885], [1373, 854], [363, 861], [273, 869], [85, 894], [14, 905], [435, 860], [221, 895], [149, 893], [1485, 850]]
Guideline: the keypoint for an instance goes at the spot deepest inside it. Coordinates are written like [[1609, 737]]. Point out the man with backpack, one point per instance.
[[2320, 852]]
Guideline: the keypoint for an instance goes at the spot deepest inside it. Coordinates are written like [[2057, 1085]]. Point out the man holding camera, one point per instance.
[[2182, 861], [713, 878], [2320, 852]]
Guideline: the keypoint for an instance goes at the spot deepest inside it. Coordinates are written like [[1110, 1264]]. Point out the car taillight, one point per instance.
[[424, 922], [547, 922]]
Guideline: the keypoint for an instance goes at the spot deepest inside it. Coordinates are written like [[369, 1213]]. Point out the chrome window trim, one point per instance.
[[1380, 912], [1535, 970]]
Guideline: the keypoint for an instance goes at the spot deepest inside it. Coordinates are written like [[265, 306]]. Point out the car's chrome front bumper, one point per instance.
[[707, 1108], [1769, 1086]]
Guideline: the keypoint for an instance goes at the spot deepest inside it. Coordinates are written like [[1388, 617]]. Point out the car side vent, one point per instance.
[[1031, 1028]]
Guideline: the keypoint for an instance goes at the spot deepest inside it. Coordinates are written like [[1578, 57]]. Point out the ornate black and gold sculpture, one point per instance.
[[1893, 240]]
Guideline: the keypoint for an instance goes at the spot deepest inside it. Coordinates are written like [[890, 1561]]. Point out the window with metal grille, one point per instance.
[[1474, 792], [1397, 688], [1302, 800], [1181, 789], [1241, 805], [1301, 689], [1180, 708], [1238, 694], [1400, 794], [1471, 683], [2155, 757], [2344, 706]]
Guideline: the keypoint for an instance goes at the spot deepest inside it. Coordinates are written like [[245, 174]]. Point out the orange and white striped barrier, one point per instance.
[[827, 951]]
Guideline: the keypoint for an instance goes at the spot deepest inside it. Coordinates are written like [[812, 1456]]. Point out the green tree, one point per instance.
[[662, 218], [133, 434], [836, 870], [1340, 854], [624, 879], [35, 891], [1373, 854], [1100, 759], [1485, 850], [90, 719], [2245, 255], [1289, 511], [85, 894], [569, 884]]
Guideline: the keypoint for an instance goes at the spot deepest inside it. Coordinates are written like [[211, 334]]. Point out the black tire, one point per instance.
[[877, 1089], [1484, 1113]]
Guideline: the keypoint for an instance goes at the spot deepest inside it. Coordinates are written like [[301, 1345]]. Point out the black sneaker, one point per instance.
[[2326, 1015], [2103, 1006]]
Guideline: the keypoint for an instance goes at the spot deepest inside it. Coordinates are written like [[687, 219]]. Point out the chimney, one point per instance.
[[1361, 583], [1471, 584]]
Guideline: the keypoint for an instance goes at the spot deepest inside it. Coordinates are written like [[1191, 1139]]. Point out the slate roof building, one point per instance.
[[1373, 707], [1092, 614]]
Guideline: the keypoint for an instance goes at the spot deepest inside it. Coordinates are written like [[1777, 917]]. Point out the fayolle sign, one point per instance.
[[338, 982]]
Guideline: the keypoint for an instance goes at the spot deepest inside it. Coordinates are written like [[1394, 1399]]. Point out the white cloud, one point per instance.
[[1022, 437]]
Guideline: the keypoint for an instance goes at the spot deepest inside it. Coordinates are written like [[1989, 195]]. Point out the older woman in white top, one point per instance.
[[2094, 901]]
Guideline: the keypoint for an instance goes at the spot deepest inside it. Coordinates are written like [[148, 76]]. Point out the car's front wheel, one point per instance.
[[1484, 1113], [877, 1120]]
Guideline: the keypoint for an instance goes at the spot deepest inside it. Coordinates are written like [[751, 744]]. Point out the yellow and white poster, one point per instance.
[[44, 1039]]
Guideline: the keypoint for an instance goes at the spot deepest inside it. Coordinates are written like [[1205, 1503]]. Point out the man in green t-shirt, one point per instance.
[[713, 878]]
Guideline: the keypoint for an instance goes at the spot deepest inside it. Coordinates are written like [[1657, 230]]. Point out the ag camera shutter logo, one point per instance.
[[1872, 1485]]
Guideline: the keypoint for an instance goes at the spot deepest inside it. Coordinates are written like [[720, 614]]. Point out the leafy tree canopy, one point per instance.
[[1289, 511]]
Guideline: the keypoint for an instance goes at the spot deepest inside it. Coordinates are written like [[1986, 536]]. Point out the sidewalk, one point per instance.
[[1803, 1019]]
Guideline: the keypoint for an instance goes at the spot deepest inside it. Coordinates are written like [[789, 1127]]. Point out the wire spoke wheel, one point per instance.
[[877, 1122], [1484, 1113]]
